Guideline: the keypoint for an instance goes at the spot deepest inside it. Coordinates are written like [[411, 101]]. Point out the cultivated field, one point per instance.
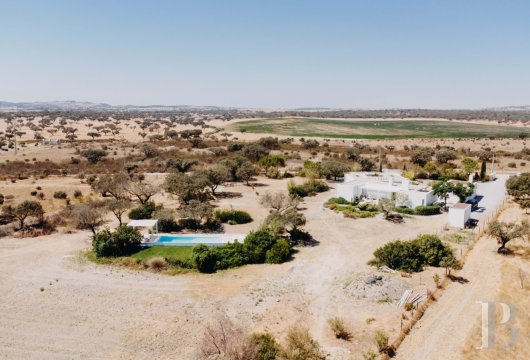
[[376, 129]]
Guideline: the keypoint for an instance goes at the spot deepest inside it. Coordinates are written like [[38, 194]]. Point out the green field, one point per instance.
[[376, 129]]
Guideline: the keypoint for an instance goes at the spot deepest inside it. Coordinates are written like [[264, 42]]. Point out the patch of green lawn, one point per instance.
[[181, 253]]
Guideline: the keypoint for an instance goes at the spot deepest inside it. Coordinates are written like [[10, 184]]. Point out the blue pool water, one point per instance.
[[189, 240]]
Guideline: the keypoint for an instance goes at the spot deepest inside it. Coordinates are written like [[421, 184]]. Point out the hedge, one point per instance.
[[258, 247], [427, 210], [419, 210], [233, 216]]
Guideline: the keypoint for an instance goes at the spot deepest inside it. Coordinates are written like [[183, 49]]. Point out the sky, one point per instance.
[[268, 53]]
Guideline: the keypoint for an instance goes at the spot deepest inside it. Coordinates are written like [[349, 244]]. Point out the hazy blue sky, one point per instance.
[[268, 53]]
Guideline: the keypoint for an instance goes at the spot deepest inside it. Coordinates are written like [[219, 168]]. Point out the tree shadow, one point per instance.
[[458, 279], [227, 195], [257, 184]]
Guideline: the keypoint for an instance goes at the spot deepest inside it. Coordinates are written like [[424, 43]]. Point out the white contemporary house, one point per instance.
[[389, 184]]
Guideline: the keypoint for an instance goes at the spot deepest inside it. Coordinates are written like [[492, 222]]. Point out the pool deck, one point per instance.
[[206, 239]]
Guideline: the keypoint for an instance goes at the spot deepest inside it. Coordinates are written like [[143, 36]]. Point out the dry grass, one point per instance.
[[156, 264], [339, 328]]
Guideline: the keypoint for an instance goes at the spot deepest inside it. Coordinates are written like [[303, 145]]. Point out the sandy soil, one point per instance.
[[452, 323], [89, 311]]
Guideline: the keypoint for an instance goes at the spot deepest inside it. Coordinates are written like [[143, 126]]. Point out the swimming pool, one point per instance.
[[195, 239]]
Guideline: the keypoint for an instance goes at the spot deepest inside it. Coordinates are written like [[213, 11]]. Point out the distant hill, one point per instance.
[[83, 105]]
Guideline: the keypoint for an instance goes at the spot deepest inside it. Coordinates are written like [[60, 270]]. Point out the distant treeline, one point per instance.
[[500, 115]]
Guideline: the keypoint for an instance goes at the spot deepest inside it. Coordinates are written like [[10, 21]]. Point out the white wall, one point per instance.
[[421, 198], [459, 217], [346, 191]]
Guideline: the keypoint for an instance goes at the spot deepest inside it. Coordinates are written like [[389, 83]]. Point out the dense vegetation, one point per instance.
[[412, 256]]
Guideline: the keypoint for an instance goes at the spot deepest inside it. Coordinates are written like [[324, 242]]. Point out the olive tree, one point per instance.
[[505, 232], [187, 187], [118, 207]]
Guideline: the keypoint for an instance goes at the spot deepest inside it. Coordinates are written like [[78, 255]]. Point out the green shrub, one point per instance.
[[413, 255], [278, 253], [204, 259], [258, 247], [123, 241], [256, 244], [432, 249], [427, 210], [368, 207], [309, 188], [166, 220], [339, 201], [365, 214], [230, 255], [400, 255], [267, 347], [233, 216], [144, 211], [60, 195], [405, 210]]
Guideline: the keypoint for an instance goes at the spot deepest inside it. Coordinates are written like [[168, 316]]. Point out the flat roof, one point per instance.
[[142, 223], [461, 206]]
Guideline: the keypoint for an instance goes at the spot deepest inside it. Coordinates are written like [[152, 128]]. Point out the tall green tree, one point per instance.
[[519, 188]]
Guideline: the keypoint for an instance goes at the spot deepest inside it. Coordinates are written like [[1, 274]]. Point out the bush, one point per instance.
[[300, 345], [266, 345], [432, 249], [258, 247], [60, 195], [204, 259], [339, 201], [233, 216], [78, 194], [144, 211], [338, 328], [413, 255], [309, 188], [166, 220], [257, 244], [156, 264], [278, 253], [400, 255], [230, 256], [368, 207], [405, 210], [94, 155], [124, 241], [427, 210], [381, 340]]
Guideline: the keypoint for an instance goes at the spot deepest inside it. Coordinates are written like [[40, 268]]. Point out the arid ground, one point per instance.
[[57, 304]]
